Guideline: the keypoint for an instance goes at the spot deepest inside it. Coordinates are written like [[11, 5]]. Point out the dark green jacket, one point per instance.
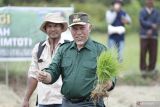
[[77, 68]]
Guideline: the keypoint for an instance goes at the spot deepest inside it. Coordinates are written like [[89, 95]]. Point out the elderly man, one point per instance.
[[48, 95], [149, 21], [76, 63]]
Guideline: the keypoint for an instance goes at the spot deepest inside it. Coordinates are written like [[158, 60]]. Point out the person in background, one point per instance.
[[48, 95], [116, 19], [76, 62], [149, 20]]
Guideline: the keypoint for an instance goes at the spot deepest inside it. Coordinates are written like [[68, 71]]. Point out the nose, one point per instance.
[[52, 28], [78, 32]]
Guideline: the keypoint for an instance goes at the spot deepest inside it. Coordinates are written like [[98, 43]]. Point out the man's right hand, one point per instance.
[[31, 86], [41, 76]]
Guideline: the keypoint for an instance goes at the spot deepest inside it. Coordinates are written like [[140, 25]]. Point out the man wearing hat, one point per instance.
[[116, 19], [76, 62], [48, 95]]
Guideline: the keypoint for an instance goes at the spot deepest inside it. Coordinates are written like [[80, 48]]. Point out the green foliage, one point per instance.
[[135, 78], [107, 66], [95, 8], [129, 70], [133, 10], [17, 68], [96, 13], [142, 2]]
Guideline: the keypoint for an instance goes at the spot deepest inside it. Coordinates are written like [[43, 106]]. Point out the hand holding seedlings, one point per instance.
[[107, 68]]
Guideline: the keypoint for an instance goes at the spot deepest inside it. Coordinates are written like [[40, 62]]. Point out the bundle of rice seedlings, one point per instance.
[[107, 68]]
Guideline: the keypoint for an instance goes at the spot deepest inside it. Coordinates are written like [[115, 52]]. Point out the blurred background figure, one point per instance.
[[116, 19], [149, 20]]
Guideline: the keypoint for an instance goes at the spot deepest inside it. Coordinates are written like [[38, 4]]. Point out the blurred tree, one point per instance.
[[49, 1], [28, 1], [109, 2], [142, 2], [95, 8], [81, 1], [6, 2]]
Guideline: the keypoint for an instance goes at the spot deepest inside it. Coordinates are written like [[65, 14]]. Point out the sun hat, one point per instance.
[[54, 18]]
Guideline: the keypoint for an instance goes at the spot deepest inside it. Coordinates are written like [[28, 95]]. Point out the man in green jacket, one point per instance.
[[76, 62]]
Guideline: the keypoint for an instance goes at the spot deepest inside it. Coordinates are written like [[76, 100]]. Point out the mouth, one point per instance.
[[79, 39], [52, 33]]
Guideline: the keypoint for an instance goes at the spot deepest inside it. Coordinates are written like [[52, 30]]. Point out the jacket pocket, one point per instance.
[[90, 67]]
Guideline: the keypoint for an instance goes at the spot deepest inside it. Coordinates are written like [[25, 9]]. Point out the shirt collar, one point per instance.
[[61, 41], [149, 10], [89, 44], [73, 45]]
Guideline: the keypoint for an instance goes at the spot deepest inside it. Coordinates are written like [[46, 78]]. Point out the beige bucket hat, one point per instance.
[[54, 18]]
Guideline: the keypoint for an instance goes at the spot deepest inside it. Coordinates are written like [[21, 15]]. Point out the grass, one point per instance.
[[130, 65], [131, 51]]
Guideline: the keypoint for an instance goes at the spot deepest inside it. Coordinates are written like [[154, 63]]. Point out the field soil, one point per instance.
[[129, 96], [121, 96]]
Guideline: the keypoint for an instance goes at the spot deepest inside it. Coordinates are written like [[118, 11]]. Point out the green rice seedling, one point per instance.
[[107, 68]]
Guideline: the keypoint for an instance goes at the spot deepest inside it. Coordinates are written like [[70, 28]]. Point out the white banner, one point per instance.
[[19, 30]]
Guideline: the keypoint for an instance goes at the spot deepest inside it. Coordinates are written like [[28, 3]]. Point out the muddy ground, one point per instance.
[[121, 96]]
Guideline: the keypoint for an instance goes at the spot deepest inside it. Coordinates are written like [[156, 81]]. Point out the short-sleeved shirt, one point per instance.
[[47, 94], [77, 68]]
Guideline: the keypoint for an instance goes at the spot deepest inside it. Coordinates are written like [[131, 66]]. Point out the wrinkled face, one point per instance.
[[150, 3], [80, 33], [117, 6], [54, 30]]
